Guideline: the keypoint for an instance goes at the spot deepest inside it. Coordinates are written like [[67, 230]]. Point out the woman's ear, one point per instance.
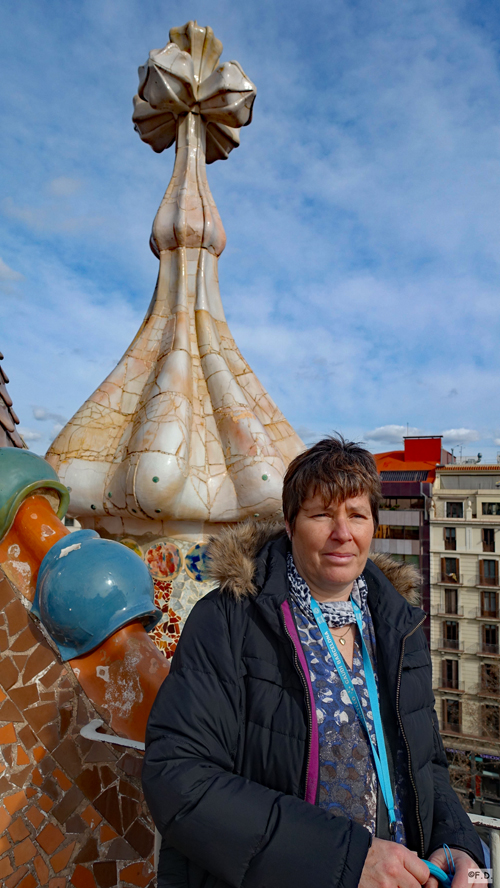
[[288, 530]]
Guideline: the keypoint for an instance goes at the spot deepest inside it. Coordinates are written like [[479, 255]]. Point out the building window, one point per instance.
[[409, 559], [488, 572], [490, 639], [488, 534], [395, 503], [449, 570], [450, 538], [396, 532], [491, 509], [490, 721], [454, 510], [489, 603], [450, 674], [490, 683], [452, 715], [450, 635], [451, 601]]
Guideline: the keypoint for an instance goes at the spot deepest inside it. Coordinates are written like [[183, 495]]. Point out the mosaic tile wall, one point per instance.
[[71, 809], [179, 571]]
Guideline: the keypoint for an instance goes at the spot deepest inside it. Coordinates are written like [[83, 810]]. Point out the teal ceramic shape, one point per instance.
[[22, 474], [88, 588]]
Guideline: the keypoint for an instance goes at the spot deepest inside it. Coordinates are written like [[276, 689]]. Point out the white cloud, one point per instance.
[[461, 436], [29, 434], [391, 434], [8, 274], [64, 186], [42, 414]]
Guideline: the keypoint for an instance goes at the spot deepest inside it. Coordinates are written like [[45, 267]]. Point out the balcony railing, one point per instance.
[[490, 732], [493, 825], [484, 614], [448, 644], [491, 649], [451, 728], [450, 684], [486, 689], [487, 650], [440, 610], [449, 579]]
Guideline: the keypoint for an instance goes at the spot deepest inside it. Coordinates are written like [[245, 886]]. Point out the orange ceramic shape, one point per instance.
[[122, 677], [34, 531]]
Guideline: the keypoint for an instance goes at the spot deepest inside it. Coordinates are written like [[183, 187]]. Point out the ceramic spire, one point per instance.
[[181, 430]]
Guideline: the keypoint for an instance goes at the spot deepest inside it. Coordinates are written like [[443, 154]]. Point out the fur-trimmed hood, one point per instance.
[[233, 555]]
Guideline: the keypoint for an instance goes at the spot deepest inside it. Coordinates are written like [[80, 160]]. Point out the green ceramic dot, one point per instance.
[[158, 511], [265, 477], [255, 514], [155, 479], [110, 494], [134, 511], [93, 507]]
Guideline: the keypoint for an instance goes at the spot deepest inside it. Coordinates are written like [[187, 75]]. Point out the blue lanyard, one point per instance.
[[380, 756]]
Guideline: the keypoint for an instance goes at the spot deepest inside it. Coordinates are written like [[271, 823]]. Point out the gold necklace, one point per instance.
[[341, 638]]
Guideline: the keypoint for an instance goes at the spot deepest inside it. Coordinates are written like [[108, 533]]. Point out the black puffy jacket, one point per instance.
[[231, 766]]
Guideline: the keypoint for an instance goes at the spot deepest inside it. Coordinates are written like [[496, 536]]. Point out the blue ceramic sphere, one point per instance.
[[88, 588]]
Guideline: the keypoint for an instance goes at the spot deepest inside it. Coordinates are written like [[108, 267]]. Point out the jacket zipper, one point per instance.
[[308, 702], [410, 771]]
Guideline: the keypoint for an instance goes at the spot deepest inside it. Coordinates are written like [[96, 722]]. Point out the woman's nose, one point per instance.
[[341, 530]]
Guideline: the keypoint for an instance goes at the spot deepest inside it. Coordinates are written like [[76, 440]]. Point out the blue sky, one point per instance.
[[361, 276]]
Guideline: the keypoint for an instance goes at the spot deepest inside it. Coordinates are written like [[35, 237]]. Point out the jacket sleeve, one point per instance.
[[451, 825], [239, 831]]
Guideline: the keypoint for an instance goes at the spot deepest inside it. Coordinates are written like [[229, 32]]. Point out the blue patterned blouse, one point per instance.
[[348, 779]]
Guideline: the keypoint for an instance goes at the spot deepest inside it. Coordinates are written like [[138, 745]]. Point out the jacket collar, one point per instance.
[[272, 581], [387, 606]]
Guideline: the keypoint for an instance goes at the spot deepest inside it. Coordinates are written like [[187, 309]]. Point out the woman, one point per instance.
[[261, 768]]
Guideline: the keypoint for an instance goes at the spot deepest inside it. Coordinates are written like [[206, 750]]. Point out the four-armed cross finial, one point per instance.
[[183, 97], [181, 79]]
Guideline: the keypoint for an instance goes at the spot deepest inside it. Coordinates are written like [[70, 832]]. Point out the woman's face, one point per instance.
[[330, 544]]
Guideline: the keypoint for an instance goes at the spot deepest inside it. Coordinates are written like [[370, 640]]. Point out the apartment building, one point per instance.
[[406, 478], [465, 614]]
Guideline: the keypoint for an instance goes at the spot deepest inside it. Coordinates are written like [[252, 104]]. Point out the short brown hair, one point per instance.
[[336, 469]]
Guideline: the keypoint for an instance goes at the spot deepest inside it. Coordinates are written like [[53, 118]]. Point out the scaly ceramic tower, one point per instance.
[[181, 435]]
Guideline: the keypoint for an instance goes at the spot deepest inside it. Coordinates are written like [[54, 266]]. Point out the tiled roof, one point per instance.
[[9, 437], [394, 464], [484, 467], [414, 475]]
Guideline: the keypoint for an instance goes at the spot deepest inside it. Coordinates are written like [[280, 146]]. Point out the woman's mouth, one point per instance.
[[339, 556]]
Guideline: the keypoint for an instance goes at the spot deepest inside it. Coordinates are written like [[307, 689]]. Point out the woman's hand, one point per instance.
[[389, 865], [463, 865]]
